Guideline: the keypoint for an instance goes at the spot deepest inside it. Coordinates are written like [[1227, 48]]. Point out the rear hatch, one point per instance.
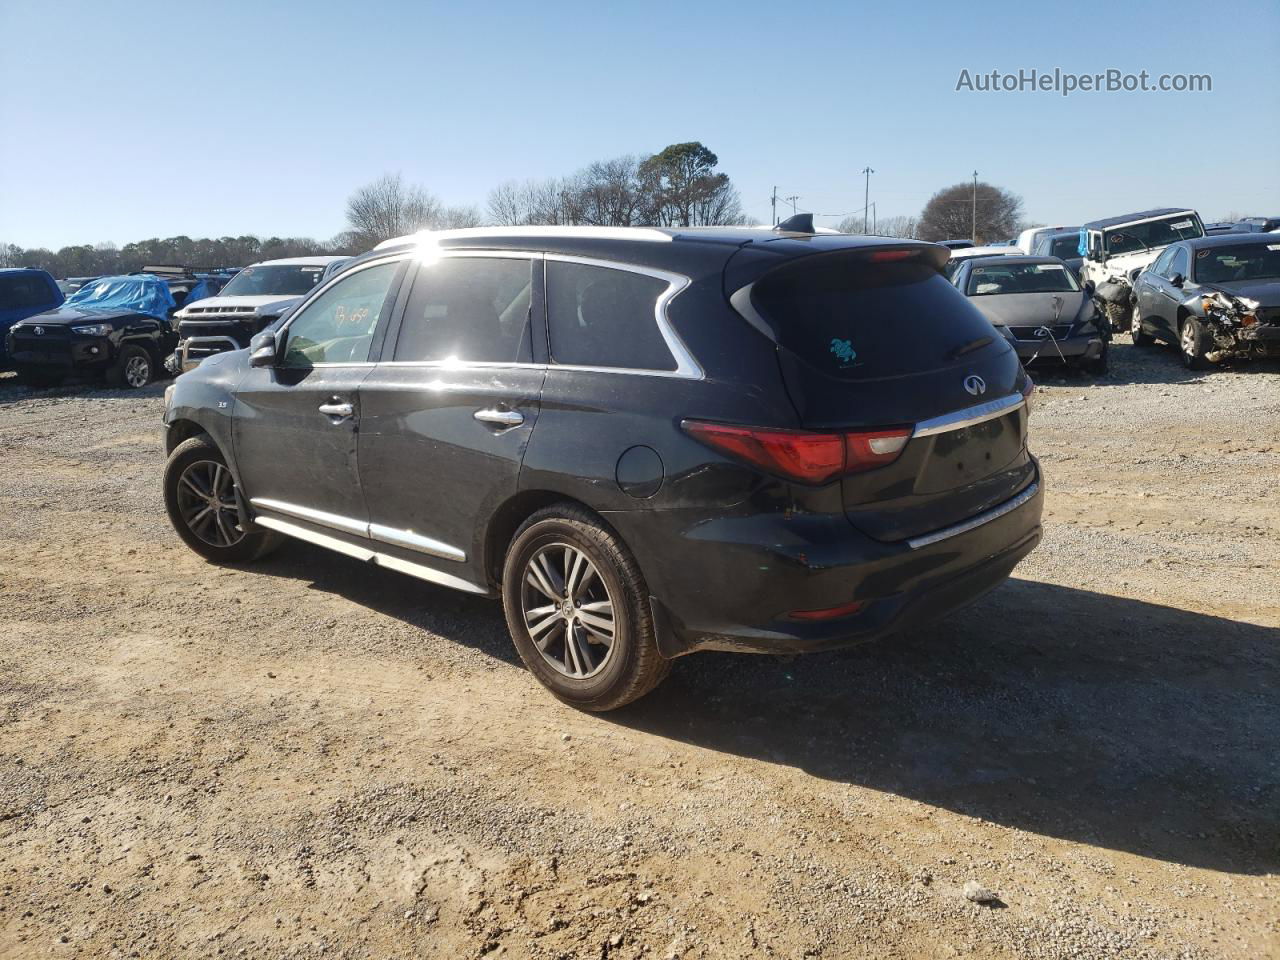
[[873, 337]]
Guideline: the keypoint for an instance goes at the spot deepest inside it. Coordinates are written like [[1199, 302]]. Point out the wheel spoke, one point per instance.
[[600, 626], [577, 567], [572, 653], [189, 480], [539, 581], [542, 626]]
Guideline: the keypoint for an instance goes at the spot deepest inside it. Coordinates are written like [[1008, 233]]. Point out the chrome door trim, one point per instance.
[[946, 533], [370, 531], [969, 416], [370, 556], [336, 521], [415, 541], [686, 366]]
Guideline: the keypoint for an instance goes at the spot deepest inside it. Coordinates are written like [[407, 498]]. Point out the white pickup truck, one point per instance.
[[1117, 249]]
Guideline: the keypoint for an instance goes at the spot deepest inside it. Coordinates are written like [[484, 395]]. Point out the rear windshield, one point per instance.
[[858, 320], [1003, 278], [19, 290]]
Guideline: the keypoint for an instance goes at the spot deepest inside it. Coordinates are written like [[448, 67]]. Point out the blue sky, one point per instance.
[[263, 117]]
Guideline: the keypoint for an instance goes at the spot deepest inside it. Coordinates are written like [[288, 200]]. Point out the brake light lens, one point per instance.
[[830, 613], [888, 256], [803, 455]]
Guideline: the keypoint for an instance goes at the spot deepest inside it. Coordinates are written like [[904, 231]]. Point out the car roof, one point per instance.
[[298, 262], [1025, 258], [1230, 240], [23, 270], [990, 250], [1135, 217]]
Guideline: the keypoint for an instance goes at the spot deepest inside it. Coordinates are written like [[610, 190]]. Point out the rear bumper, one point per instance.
[[731, 583]]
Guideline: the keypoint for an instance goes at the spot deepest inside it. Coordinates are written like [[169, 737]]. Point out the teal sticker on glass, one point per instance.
[[843, 349]]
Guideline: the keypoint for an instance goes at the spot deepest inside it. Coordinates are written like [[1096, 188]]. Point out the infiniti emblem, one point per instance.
[[975, 385], [39, 331]]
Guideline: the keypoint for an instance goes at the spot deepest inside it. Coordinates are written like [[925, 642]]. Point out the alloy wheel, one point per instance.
[[137, 372], [1135, 323], [1189, 339], [207, 502], [568, 611]]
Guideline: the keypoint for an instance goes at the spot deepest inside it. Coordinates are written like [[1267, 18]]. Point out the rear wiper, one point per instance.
[[969, 347]]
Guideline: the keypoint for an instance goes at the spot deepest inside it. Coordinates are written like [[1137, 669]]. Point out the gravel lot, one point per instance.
[[312, 758]]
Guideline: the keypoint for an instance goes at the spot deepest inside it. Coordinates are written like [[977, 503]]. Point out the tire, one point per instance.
[[229, 537], [133, 369], [1137, 329], [1191, 339], [541, 565], [38, 377]]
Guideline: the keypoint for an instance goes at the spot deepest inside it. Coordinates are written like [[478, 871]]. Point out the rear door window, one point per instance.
[[857, 320], [605, 317], [469, 309]]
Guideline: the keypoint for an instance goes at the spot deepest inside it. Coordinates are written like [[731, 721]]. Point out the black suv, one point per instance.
[[646, 441]]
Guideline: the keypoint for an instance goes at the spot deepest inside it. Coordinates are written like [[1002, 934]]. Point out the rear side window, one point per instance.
[[24, 290], [469, 309], [603, 317], [856, 320]]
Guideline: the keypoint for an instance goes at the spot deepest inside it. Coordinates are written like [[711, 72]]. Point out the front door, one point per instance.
[[447, 414], [296, 422]]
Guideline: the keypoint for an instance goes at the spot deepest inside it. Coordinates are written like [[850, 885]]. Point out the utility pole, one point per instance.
[[775, 206], [792, 200], [973, 226], [866, 197]]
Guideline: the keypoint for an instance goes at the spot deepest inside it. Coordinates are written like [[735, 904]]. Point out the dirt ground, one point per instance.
[[311, 758]]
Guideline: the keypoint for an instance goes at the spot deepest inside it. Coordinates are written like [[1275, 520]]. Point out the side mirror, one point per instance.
[[262, 350], [1089, 288], [1177, 280]]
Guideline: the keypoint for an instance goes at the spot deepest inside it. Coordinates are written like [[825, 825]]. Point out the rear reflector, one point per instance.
[[801, 454], [830, 613]]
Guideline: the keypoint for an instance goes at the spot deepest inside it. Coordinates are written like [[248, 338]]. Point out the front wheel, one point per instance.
[[578, 610], [200, 498], [1191, 342], [1138, 330], [134, 368]]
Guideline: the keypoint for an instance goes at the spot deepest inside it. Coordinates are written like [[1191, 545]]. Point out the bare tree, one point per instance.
[[898, 226], [949, 214], [388, 207]]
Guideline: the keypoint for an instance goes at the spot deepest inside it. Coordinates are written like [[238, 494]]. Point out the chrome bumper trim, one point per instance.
[[927, 539]]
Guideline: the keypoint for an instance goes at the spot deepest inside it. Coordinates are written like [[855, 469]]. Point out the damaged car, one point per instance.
[[1038, 304], [1216, 298], [254, 299], [1117, 249]]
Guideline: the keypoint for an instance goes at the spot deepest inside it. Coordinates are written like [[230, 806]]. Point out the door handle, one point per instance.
[[337, 409], [504, 418]]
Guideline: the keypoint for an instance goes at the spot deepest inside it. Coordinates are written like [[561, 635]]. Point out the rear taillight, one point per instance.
[[801, 454]]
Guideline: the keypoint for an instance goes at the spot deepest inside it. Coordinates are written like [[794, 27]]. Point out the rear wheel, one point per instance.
[[1137, 329], [200, 498], [134, 368], [578, 610], [1191, 342]]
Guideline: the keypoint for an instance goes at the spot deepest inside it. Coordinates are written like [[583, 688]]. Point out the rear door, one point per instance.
[[876, 338], [447, 413], [295, 423]]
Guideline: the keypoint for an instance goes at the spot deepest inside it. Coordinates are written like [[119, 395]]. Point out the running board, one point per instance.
[[369, 556]]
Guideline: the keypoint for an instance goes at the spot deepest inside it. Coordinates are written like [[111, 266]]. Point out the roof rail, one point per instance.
[[643, 234]]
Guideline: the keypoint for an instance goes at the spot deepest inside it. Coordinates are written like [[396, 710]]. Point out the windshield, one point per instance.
[[1065, 247], [292, 280], [1021, 278], [1154, 233], [1255, 261]]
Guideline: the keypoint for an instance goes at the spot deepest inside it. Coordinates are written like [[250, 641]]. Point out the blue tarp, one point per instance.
[[141, 293]]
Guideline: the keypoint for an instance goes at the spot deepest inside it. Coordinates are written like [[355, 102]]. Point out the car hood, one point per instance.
[[1266, 292], [1025, 309], [67, 315], [236, 304]]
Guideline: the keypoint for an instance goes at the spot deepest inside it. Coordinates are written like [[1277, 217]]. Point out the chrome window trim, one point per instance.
[[687, 368], [946, 533], [370, 556], [969, 416]]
